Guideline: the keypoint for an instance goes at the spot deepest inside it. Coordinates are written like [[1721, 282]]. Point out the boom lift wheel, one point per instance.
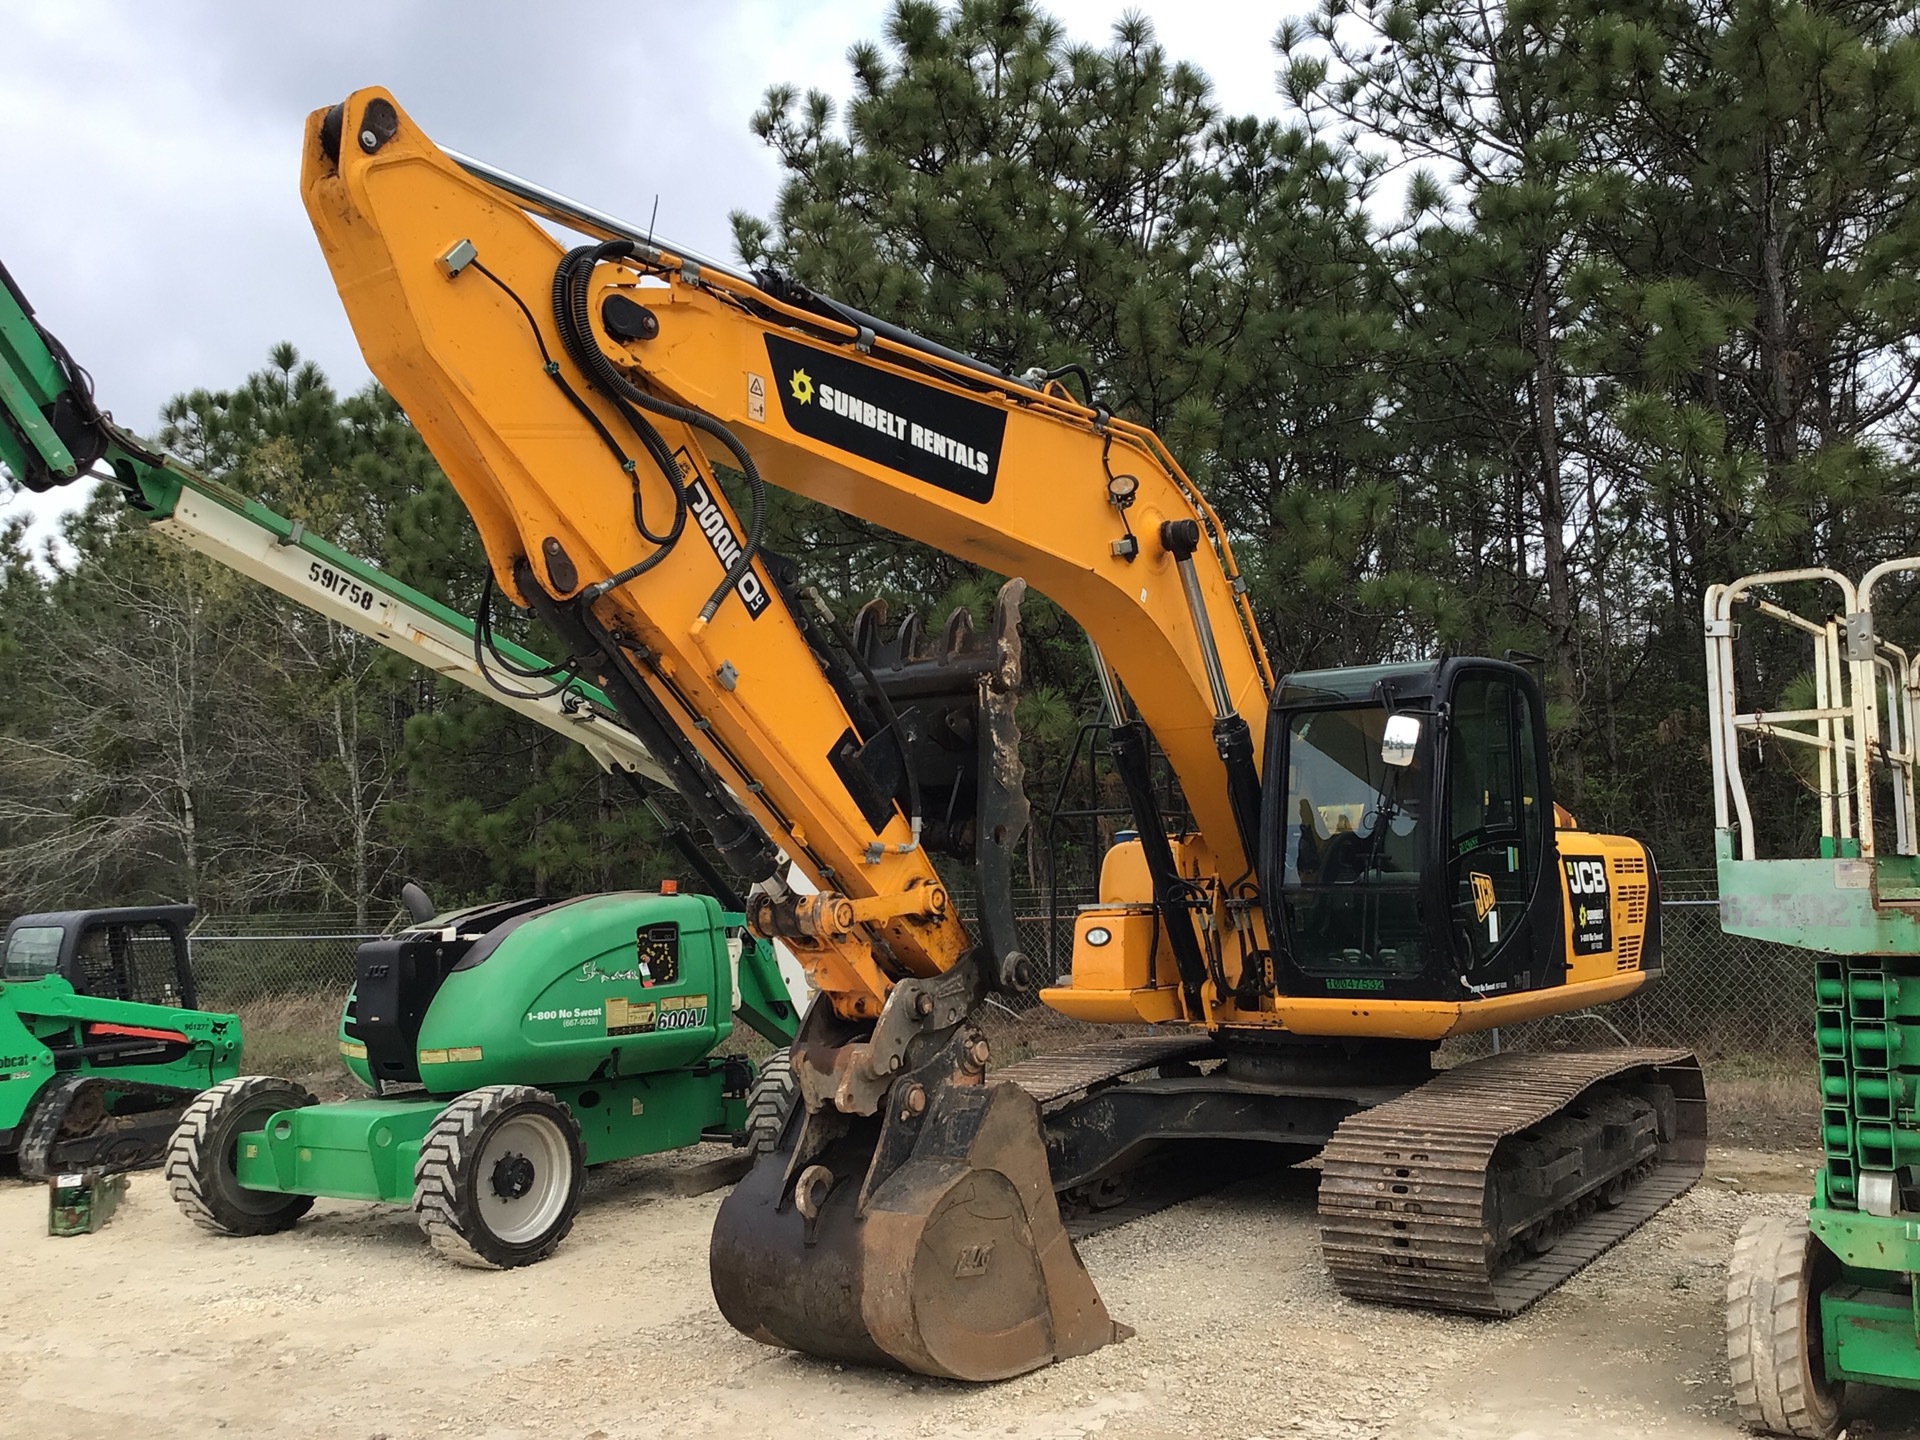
[[769, 1103], [200, 1157], [1774, 1346], [500, 1177]]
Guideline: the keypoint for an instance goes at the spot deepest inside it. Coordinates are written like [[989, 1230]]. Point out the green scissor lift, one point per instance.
[[1815, 1305]]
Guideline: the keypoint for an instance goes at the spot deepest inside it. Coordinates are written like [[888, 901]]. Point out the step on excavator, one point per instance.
[[1374, 861]]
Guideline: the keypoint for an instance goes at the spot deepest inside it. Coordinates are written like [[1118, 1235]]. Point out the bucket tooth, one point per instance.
[[957, 1264]]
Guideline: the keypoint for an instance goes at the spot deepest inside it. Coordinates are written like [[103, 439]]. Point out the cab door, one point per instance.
[[1502, 916]]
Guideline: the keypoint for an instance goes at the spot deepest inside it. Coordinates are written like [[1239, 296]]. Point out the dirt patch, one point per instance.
[[348, 1328]]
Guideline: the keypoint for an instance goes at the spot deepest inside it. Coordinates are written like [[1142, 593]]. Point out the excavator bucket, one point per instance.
[[956, 1264], [907, 1217]]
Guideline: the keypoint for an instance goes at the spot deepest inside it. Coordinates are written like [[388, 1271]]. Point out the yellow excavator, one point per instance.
[[1373, 860]]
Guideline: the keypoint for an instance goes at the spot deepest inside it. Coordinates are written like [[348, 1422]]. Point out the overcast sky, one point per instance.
[[149, 170]]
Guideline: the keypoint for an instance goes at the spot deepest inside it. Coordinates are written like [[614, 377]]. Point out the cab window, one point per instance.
[[1495, 813], [32, 952], [1351, 876]]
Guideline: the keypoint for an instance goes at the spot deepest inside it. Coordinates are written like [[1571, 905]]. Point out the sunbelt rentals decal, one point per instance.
[[919, 430]]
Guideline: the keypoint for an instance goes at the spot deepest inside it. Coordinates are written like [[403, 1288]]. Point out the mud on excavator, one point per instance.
[[1374, 861]]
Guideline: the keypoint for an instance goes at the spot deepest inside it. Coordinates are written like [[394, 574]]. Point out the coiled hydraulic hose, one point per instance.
[[570, 285]]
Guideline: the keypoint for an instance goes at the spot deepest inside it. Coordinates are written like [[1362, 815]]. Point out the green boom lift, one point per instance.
[[508, 1046], [1814, 1304]]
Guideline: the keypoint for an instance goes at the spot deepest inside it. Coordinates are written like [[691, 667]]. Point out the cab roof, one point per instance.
[[1359, 683], [119, 915]]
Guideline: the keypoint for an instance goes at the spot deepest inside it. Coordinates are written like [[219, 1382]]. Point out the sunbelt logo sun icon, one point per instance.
[[801, 384]]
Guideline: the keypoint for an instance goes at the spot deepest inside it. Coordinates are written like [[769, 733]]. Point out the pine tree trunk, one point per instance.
[[1776, 350], [1561, 667]]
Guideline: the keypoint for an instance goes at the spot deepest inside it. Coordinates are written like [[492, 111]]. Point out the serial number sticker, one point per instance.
[[683, 1012], [340, 586]]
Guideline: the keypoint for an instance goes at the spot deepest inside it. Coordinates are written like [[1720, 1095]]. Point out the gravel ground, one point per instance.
[[347, 1328]]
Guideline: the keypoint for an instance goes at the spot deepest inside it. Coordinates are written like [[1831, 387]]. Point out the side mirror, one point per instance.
[[1397, 744]]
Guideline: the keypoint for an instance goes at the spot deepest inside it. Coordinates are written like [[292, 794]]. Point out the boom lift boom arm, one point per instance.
[[53, 433]]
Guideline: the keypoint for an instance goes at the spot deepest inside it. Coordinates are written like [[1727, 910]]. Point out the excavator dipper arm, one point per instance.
[[583, 402]]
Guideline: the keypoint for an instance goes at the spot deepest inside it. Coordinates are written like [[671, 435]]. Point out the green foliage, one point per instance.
[[1527, 323], [1647, 318]]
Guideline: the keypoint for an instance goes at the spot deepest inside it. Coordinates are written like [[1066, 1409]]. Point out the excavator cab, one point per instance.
[[1409, 848]]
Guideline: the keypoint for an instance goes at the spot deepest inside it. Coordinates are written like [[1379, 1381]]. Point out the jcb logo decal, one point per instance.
[[1588, 900], [1587, 877], [1482, 894]]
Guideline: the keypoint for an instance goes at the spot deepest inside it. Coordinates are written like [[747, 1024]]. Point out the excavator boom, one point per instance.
[[528, 399]]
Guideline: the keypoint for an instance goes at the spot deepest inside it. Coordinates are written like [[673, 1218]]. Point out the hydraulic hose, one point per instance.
[[649, 437], [570, 285]]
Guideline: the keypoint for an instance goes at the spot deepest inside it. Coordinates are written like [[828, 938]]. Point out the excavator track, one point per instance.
[[1418, 1200], [1147, 1190], [1051, 1078], [99, 1123]]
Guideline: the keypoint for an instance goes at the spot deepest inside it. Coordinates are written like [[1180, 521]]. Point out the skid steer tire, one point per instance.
[[769, 1103], [500, 1177], [199, 1166], [1774, 1352]]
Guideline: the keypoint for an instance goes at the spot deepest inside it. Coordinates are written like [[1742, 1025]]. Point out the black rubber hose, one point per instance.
[[648, 435], [483, 645], [570, 282]]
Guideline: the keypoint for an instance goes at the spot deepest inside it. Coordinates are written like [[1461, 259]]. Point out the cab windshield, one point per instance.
[[1351, 881], [32, 951]]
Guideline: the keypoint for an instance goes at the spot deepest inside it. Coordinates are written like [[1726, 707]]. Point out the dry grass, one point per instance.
[[1764, 1104], [295, 1035]]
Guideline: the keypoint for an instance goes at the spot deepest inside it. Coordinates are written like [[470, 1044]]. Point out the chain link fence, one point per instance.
[[1721, 995], [238, 960]]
